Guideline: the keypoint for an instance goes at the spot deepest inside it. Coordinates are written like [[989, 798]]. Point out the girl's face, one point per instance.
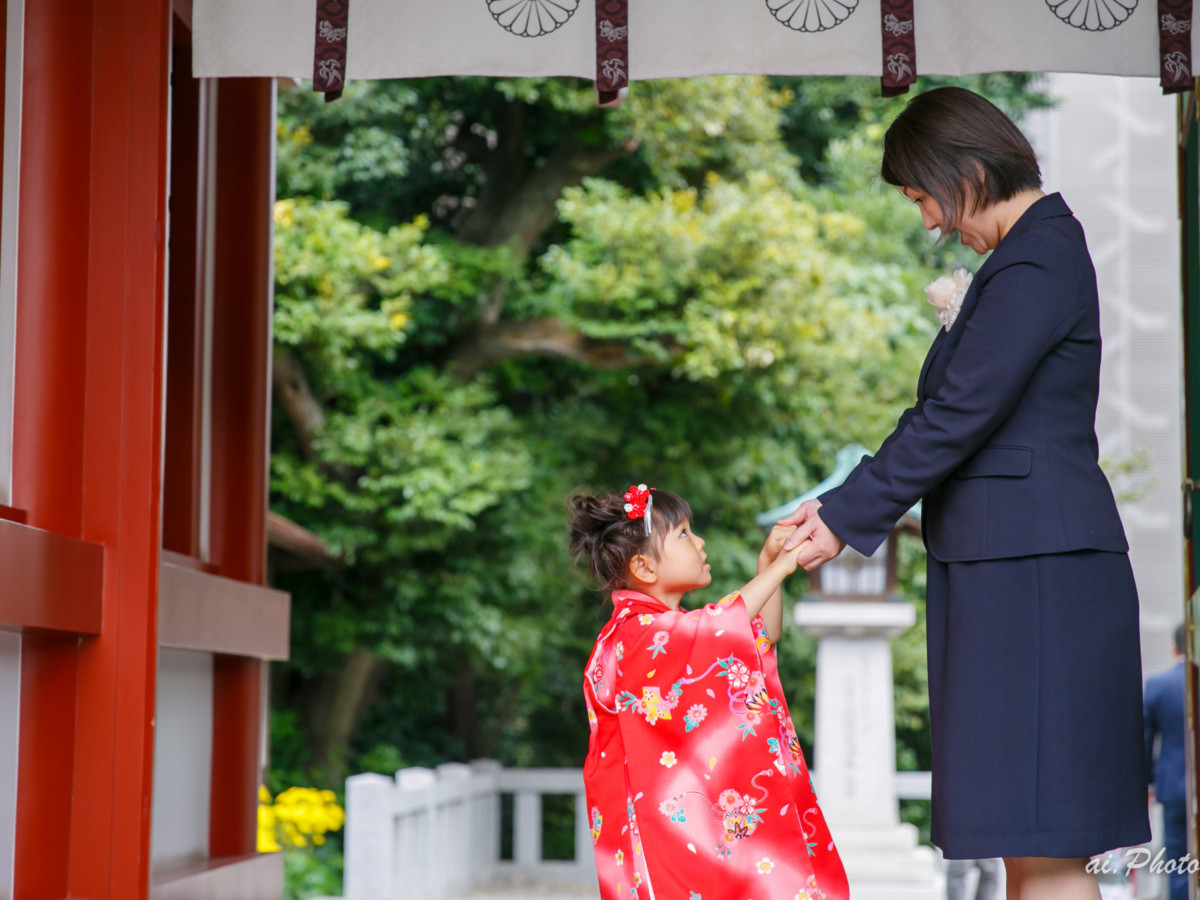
[[977, 230], [681, 561]]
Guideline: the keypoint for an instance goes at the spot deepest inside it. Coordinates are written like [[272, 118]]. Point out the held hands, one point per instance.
[[774, 546], [761, 593], [823, 545]]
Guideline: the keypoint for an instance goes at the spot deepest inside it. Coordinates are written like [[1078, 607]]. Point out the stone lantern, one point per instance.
[[854, 611]]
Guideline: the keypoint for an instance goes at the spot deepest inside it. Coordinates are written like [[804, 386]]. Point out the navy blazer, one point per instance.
[[1164, 717], [1001, 444]]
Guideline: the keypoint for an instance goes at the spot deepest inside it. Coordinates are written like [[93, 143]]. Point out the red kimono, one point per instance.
[[696, 786]]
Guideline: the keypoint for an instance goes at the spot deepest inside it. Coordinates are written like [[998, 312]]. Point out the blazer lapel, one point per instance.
[[929, 358], [943, 346], [931, 375]]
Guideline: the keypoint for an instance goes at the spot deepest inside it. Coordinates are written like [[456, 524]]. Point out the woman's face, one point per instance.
[[976, 230]]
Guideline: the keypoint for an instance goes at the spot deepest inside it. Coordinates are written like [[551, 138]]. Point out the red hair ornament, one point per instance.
[[639, 503]]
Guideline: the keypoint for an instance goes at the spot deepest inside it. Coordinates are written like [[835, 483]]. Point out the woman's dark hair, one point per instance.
[[958, 147], [603, 533]]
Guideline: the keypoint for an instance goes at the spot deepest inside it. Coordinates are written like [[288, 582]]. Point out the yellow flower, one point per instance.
[[299, 816]]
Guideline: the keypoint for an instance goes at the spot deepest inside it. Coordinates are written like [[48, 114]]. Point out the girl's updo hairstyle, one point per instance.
[[956, 146], [603, 533]]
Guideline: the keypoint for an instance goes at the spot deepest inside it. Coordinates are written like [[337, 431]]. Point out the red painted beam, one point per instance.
[[200, 611], [50, 581], [12, 514], [257, 876]]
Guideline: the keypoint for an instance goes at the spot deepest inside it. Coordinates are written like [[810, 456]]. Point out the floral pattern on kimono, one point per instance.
[[696, 786]]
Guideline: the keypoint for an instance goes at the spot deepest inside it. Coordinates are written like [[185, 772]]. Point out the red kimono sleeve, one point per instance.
[[695, 779]]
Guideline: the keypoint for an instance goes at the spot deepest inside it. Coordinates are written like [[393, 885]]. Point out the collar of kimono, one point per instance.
[[625, 604], [623, 600]]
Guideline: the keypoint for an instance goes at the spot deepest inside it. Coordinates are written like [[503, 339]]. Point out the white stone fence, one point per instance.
[[435, 834], [432, 834]]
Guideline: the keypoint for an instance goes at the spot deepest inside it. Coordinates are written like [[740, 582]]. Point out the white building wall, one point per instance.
[[10, 153], [10, 706], [1110, 148], [183, 737]]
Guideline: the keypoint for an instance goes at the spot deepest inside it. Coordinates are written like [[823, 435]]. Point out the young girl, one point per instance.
[[696, 786]]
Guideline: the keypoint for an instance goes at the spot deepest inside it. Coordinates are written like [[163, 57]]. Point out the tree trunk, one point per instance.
[[491, 343], [301, 407], [338, 701], [296, 398], [531, 205], [465, 711]]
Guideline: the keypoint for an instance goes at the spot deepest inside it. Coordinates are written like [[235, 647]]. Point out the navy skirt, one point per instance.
[[1035, 706]]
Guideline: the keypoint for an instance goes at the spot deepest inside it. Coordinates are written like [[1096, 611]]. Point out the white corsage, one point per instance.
[[946, 294]]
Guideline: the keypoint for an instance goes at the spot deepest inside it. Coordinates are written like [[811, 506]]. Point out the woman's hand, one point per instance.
[[785, 563], [807, 510], [823, 545], [773, 545]]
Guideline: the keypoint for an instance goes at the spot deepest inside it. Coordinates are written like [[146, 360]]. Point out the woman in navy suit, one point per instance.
[[1032, 613]]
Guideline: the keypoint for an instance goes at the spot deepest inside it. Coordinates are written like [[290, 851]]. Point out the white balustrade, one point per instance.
[[435, 834]]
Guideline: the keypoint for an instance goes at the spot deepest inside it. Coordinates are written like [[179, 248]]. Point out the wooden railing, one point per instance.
[[435, 834]]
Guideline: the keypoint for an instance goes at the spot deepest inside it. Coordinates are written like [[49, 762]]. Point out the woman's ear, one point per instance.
[[641, 568]]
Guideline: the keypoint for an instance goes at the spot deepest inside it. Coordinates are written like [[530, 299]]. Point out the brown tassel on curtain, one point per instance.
[[1175, 45], [612, 50], [899, 47], [329, 58]]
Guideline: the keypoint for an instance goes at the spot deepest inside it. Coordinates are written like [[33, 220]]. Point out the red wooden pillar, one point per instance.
[[87, 444], [114, 729], [184, 437], [82, 550], [240, 440], [48, 415]]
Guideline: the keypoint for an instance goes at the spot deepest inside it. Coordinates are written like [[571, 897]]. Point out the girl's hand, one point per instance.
[[786, 562], [773, 545]]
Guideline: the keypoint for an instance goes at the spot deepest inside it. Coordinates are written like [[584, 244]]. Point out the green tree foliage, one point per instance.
[[490, 293]]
